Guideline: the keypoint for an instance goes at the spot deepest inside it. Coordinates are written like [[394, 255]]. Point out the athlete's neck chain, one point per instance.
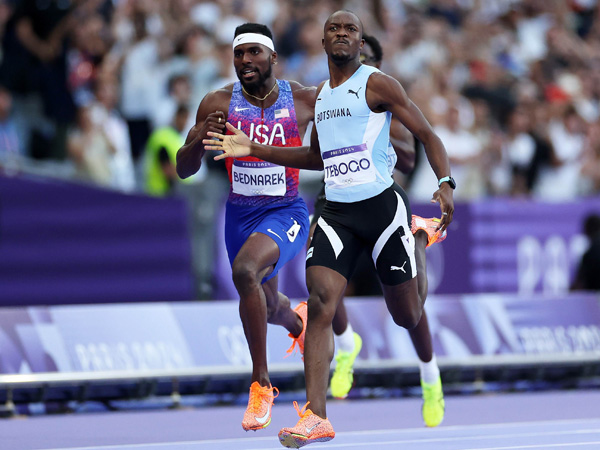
[[259, 98]]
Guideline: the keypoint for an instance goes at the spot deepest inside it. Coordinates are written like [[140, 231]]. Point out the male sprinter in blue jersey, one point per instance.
[[401, 156], [353, 111], [266, 221]]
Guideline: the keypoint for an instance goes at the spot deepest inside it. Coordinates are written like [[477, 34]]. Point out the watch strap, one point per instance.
[[443, 180]]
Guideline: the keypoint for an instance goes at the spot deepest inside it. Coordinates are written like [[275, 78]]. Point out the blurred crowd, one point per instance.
[[106, 90]]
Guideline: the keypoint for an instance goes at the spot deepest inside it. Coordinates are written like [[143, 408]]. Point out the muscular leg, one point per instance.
[[279, 311], [403, 303], [254, 261], [420, 335], [340, 319], [326, 287]]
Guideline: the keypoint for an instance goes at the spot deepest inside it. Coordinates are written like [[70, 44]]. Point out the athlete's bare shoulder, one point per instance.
[[220, 93], [383, 89], [382, 78], [305, 94], [216, 100]]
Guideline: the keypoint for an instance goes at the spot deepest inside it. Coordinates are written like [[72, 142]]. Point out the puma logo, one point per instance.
[[399, 268], [350, 91]]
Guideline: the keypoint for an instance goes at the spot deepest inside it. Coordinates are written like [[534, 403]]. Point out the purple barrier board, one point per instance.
[[500, 245], [184, 335], [64, 243], [509, 245]]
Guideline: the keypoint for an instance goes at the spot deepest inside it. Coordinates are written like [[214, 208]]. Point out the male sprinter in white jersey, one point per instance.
[[401, 156], [350, 142], [266, 221]]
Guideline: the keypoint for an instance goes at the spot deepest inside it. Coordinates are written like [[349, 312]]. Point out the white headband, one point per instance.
[[253, 38]]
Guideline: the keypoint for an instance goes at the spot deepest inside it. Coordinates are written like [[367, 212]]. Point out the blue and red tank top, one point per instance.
[[255, 182]]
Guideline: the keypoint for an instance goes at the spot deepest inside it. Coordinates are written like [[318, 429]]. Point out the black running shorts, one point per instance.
[[380, 225]]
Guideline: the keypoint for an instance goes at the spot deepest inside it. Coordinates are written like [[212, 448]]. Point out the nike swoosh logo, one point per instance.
[[264, 418], [308, 430], [238, 109], [271, 231]]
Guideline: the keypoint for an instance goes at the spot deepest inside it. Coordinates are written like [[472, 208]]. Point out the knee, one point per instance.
[[242, 275], [408, 319], [320, 310]]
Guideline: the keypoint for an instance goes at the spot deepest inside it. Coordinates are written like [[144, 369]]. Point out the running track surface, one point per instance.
[[540, 420]]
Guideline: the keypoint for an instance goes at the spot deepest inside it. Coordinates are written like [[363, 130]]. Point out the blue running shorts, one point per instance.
[[287, 224]]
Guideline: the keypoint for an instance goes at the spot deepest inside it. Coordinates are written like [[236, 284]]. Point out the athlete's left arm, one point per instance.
[[385, 93]]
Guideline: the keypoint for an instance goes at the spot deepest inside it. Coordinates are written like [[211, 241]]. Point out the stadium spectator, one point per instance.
[[90, 149], [10, 143], [35, 66], [179, 93], [106, 116], [587, 277], [561, 181], [161, 152], [591, 160]]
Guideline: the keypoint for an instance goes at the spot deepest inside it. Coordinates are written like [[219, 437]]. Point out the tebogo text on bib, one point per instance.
[[348, 166]]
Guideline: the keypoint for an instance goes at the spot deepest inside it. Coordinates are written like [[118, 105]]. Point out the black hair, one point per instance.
[[182, 109], [253, 28], [375, 46]]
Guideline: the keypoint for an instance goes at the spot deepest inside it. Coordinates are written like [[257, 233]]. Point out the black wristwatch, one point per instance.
[[448, 180]]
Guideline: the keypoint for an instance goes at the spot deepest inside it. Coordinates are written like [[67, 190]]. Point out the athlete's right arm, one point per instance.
[[211, 116], [239, 145]]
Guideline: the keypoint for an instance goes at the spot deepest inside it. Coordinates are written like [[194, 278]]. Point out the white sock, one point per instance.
[[345, 341], [430, 371]]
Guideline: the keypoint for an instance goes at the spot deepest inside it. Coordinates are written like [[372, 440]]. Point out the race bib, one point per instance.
[[348, 166], [251, 178]]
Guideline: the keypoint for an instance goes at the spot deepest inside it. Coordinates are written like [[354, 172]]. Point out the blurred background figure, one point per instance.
[[34, 68], [587, 277], [106, 115], [161, 151], [10, 143], [90, 149]]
